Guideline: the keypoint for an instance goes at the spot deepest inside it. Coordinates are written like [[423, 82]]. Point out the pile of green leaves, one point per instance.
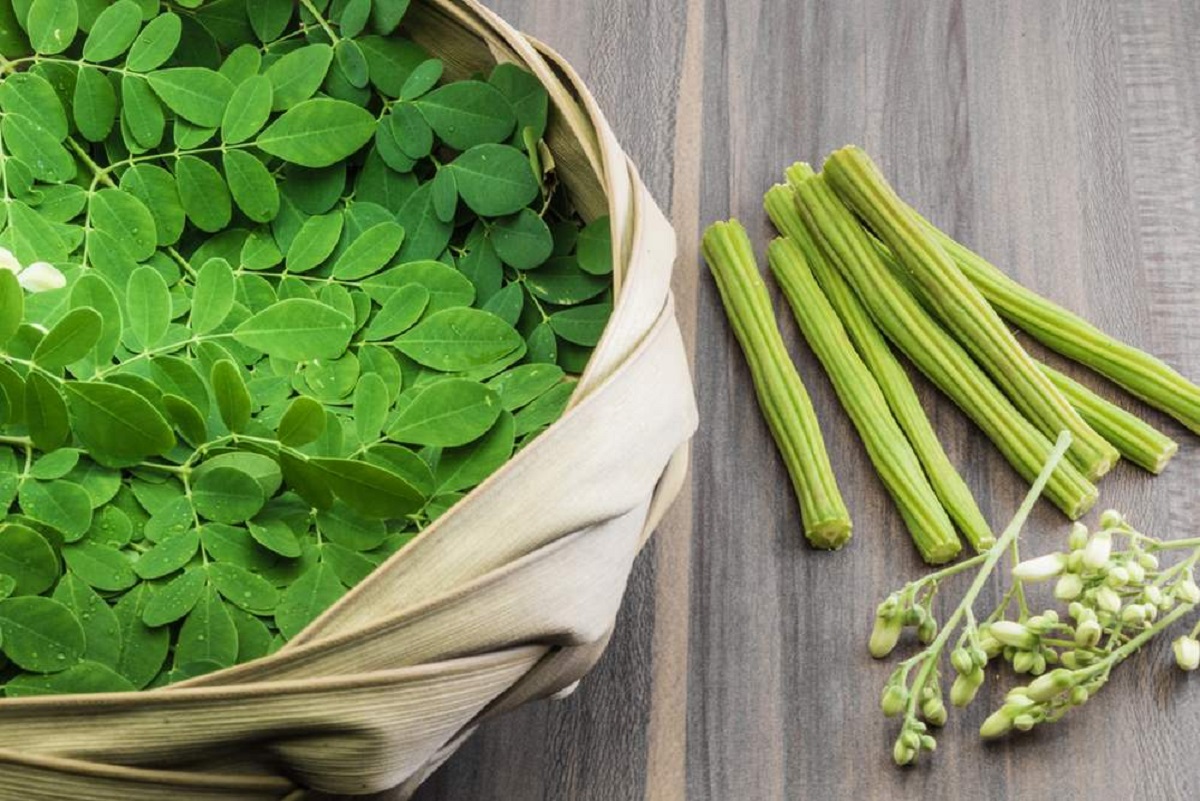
[[315, 294]]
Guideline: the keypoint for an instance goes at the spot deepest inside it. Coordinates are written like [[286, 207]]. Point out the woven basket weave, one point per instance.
[[509, 597]]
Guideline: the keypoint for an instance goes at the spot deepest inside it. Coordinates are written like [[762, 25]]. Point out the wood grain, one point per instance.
[[1058, 138]]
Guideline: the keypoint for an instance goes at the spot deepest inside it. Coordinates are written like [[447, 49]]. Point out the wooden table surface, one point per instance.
[[1058, 138]]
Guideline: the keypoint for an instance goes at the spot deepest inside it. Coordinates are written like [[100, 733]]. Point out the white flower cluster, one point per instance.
[[41, 276]]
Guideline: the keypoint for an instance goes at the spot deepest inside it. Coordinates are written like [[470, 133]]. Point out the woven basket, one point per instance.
[[509, 597]]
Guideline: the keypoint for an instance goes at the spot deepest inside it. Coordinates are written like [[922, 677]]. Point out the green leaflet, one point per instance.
[[318, 133], [114, 424], [208, 633], [468, 113], [198, 95], [263, 375], [155, 44], [52, 25], [248, 110], [447, 413], [40, 634], [113, 31], [251, 185], [305, 600], [28, 558], [297, 75], [522, 240], [495, 180], [37, 148], [298, 330], [213, 297], [595, 247], [459, 339]]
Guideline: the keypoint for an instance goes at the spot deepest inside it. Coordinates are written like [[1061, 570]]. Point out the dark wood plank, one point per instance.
[[1060, 139]]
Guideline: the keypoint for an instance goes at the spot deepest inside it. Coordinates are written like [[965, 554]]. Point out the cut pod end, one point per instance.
[[830, 534]]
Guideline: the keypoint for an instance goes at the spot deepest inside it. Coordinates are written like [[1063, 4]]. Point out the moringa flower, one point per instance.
[[41, 276]]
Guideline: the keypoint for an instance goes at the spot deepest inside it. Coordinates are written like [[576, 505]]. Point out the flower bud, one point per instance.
[[1039, 665], [1079, 696], [928, 743], [990, 645], [1148, 560], [1111, 518], [1078, 537], [895, 698], [1076, 609], [885, 634], [1133, 615], [911, 738], [1088, 633], [1068, 587], [1137, 573], [1153, 595], [1108, 600], [9, 262], [1043, 568], [41, 276], [1098, 550], [1024, 722], [1069, 660], [1117, 577], [1024, 661], [902, 754], [1010, 632], [1188, 592], [1048, 686], [927, 631], [979, 657], [997, 725], [1187, 652], [1039, 624], [964, 688], [934, 711], [961, 661]]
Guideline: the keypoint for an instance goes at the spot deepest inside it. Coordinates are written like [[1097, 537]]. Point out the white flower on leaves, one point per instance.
[[8, 261], [1098, 550], [1042, 568], [41, 276], [1187, 652]]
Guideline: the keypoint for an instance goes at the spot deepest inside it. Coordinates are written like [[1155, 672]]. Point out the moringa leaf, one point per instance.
[[197, 94], [297, 330], [298, 75], [447, 413], [70, 340], [40, 634], [318, 132], [494, 180], [459, 339], [116, 426], [156, 43], [113, 31]]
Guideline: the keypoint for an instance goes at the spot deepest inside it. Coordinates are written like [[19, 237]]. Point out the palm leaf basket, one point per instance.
[[509, 597]]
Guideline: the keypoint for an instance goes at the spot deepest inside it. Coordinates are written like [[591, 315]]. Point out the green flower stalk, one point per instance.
[[1141, 374], [883, 365], [1137, 440], [894, 459], [906, 322], [781, 394], [962, 308], [919, 707]]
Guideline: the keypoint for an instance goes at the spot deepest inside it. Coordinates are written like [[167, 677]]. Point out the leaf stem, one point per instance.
[[312, 9]]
